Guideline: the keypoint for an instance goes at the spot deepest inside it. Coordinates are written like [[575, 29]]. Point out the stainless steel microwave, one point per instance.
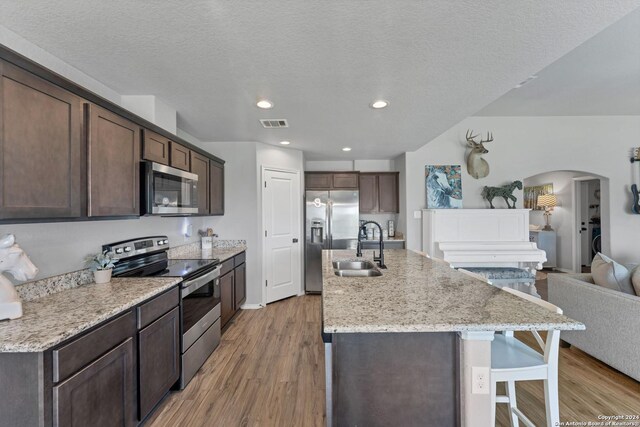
[[168, 191]]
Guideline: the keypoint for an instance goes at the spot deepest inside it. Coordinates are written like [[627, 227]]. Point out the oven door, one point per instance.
[[169, 191], [200, 306]]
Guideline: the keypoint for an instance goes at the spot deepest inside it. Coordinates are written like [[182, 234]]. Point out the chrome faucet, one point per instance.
[[379, 259]]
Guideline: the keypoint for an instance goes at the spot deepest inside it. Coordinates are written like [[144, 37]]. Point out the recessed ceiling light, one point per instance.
[[285, 142], [264, 104], [380, 103], [346, 149]]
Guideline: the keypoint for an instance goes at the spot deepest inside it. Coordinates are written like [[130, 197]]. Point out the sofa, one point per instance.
[[612, 319]]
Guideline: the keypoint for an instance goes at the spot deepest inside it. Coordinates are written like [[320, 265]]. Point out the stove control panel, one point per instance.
[[144, 245]]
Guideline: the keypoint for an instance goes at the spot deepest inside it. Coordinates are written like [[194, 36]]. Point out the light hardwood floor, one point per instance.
[[269, 371]]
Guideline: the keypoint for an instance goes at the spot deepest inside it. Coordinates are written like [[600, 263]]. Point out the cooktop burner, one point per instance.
[[186, 267]]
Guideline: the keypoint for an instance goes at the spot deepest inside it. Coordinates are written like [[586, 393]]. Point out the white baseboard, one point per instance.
[[251, 306]]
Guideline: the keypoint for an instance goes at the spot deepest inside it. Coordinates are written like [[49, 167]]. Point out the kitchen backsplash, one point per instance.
[[50, 285]]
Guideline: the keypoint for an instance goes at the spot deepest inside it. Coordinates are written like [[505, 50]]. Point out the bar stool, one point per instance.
[[512, 360]]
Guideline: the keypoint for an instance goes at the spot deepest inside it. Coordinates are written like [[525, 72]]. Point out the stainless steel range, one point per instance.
[[199, 290]]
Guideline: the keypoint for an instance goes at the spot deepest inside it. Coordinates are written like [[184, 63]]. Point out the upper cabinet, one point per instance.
[[114, 164], [66, 153], [156, 147], [41, 148], [200, 166], [180, 157], [331, 180], [216, 188], [379, 192]]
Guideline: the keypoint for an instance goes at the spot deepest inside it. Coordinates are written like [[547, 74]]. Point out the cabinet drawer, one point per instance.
[[150, 311], [239, 259], [227, 266], [73, 356], [345, 180]]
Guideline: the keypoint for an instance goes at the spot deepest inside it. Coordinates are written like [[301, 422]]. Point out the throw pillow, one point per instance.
[[635, 280], [609, 274]]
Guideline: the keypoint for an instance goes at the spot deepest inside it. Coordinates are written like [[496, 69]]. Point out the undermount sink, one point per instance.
[[355, 269], [353, 265], [357, 273]]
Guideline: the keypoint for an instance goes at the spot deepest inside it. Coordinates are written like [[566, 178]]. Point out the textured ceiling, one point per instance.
[[320, 62], [599, 77]]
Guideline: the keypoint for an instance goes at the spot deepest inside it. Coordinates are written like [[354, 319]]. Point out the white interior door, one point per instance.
[[281, 201]]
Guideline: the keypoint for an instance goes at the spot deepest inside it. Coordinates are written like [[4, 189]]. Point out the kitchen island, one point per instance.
[[399, 347]]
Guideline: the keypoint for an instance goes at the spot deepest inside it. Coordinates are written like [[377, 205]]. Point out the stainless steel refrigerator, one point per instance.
[[331, 222]]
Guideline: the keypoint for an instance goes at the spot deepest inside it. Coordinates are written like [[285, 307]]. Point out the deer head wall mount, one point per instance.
[[476, 165]]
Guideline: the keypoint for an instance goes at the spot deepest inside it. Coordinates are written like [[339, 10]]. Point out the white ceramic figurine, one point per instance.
[[13, 260]]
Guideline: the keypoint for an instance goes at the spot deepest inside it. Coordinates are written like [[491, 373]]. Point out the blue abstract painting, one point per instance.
[[444, 186]]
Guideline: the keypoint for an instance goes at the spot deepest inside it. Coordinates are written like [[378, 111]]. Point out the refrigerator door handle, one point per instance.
[[329, 234]]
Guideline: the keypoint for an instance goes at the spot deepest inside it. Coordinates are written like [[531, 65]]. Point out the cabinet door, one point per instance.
[[227, 301], [180, 156], [368, 193], [41, 148], [159, 356], [345, 181], [114, 164], [318, 181], [388, 193], [240, 285], [155, 148], [200, 166], [216, 188], [102, 394]]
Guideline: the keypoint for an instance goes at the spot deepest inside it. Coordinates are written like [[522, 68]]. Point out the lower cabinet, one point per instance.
[[227, 301], [233, 287], [112, 375], [101, 394], [159, 356]]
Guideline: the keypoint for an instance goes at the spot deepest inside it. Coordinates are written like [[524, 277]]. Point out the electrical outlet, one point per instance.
[[480, 380], [417, 214]]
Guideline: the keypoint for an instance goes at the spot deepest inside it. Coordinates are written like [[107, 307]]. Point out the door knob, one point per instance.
[[295, 240]]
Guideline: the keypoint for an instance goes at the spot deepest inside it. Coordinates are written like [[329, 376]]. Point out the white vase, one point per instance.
[[102, 276]]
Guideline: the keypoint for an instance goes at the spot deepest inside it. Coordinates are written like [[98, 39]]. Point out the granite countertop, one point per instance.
[[195, 252], [50, 320], [417, 294]]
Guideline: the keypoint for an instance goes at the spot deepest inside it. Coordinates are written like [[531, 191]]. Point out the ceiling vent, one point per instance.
[[274, 123]]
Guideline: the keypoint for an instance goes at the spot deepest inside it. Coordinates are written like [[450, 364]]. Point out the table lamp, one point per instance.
[[548, 202]]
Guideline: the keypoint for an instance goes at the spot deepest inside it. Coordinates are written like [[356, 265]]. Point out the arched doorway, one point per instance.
[[580, 221]]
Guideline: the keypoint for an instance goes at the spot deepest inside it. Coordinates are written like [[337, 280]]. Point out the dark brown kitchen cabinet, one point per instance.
[[114, 164], [41, 148], [159, 356], [200, 166], [318, 181], [101, 394], [379, 192], [345, 181], [240, 285], [368, 193], [180, 157], [155, 147], [388, 192], [227, 301], [216, 188]]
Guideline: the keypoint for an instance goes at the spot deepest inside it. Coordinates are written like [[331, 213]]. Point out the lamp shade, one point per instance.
[[547, 200]]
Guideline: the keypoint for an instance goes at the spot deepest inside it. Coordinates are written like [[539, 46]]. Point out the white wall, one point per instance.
[[153, 109], [350, 165], [61, 247], [526, 146], [562, 216]]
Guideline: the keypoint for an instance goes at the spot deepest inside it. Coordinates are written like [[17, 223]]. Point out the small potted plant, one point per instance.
[[102, 265]]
